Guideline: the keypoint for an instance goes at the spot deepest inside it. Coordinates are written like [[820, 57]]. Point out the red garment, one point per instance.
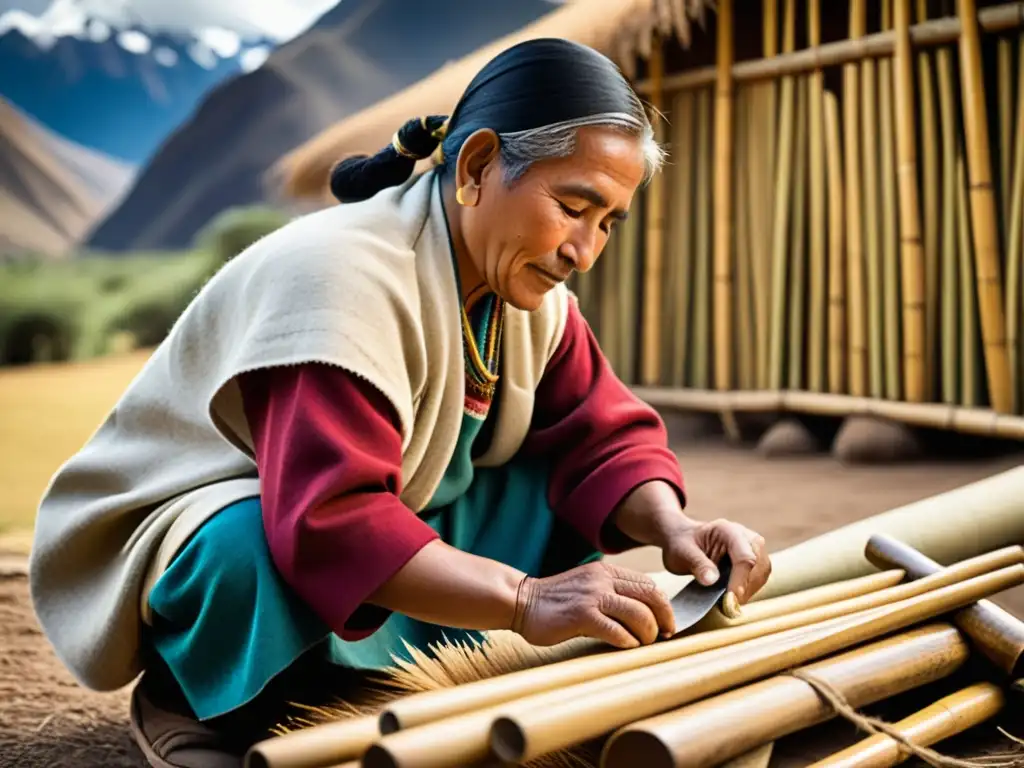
[[328, 451]]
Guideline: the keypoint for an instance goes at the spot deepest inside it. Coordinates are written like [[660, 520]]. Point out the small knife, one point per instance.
[[695, 601]]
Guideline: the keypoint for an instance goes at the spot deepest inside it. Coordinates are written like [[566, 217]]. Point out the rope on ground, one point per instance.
[[873, 725]]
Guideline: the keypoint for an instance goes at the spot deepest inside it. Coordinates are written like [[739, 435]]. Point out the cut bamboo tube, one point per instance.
[[816, 378], [1015, 247], [780, 223], [759, 757], [871, 197], [930, 213], [797, 254], [724, 150], [998, 634], [983, 211], [761, 610], [681, 226], [418, 709], [947, 717], [743, 306], [702, 274], [695, 736], [970, 421], [653, 256], [837, 354], [911, 252], [1004, 86], [316, 746], [968, 296], [527, 730], [857, 368], [1000, 18], [950, 350], [892, 321]]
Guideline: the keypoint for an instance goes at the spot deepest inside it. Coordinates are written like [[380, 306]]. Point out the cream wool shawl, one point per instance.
[[369, 287]]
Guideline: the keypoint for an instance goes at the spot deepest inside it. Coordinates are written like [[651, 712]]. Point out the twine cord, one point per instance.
[[835, 699]]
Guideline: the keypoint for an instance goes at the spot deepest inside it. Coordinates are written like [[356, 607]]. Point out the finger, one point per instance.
[[646, 591], [762, 568], [743, 559], [687, 556], [605, 629], [632, 614]]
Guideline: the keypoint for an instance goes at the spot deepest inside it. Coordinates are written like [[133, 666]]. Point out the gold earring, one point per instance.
[[458, 197]]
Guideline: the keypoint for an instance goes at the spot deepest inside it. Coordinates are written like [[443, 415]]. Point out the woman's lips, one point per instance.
[[548, 276]]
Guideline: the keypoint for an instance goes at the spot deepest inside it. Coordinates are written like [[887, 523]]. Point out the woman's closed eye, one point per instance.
[[572, 213]]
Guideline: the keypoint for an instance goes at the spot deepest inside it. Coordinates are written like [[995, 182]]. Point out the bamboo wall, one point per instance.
[[839, 229]]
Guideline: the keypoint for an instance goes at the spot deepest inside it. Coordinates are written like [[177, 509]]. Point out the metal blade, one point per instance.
[[694, 601]]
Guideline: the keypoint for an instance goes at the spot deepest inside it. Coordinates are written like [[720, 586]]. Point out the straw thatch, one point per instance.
[[624, 30]]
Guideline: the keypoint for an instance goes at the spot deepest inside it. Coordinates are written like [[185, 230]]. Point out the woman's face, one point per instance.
[[526, 237]]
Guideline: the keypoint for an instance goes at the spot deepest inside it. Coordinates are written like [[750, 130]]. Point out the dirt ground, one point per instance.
[[46, 719]]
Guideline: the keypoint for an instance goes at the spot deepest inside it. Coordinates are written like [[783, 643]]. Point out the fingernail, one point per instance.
[[708, 576]]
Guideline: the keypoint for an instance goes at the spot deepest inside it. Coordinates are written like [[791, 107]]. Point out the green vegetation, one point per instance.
[[95, 304]]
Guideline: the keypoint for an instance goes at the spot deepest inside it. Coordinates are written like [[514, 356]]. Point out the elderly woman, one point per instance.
[[384, 423]]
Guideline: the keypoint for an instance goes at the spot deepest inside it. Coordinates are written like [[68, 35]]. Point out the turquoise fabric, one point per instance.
[[458, 475], [226, 623]]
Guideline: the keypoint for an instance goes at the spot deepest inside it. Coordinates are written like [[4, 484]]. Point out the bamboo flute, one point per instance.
[[417, 709], [928, 126], [681, 232], [892, 322], [723, 200], [780, 223], [950, 350], [1015, 247], [947, 717], [702, 273], [743, 305], [527, 730], [653, 255], [1004, 86], [837, 354], [871, 196], [857, 369], [695, 736], [911, 252], [983, 211], [968, 296], [816, 379], [762, 266], [797, 256]]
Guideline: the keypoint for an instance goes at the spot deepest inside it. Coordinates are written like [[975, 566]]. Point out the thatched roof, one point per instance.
[[621, 29]]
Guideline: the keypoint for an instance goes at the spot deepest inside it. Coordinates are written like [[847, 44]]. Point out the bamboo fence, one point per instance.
[[840, 227]]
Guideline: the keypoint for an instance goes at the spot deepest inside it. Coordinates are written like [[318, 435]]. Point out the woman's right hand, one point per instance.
[[621, 607]]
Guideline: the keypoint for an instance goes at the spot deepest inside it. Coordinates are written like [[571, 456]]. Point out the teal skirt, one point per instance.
[[225, 622]]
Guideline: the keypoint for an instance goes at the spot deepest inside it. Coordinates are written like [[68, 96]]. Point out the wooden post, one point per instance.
[[983, 211], [655, 235], [724, 337]]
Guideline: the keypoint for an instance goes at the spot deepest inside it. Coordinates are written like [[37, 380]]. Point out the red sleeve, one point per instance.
[[604, 441], [329, 455]]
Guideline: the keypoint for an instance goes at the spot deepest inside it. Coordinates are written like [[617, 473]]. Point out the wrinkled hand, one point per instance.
[[606, 602], [697, 548]]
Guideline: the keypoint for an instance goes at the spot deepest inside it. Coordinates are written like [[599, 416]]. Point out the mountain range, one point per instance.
[[51, 190], [356, 54]]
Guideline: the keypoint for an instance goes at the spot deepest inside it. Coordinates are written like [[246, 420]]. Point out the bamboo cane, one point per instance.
[[857, 369], [871, 196], [816, 379], [610, 265], [837, 354], [702, 272], [968, 296], [950, 232], [681, 227], [653, 261], [693, 737], [911, 253], [418, 709], [930, 213], [743, 306], [797, 256], [890, 262], [1004, 89], [317, 746], [947, 717], [724, 151], [1015, 247], [589, 710], [627, 315], [780, 223], [767, 202], [983, 211]]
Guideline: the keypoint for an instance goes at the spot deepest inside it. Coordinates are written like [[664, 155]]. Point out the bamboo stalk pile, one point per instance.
[[839, 220]]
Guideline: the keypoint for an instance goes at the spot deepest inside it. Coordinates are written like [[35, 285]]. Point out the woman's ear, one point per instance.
[[479, 151]]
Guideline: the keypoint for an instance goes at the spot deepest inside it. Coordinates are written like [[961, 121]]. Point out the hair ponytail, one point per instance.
[[362, 176]]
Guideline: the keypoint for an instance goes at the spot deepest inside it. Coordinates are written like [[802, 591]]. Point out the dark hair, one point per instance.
[[540, 83]]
